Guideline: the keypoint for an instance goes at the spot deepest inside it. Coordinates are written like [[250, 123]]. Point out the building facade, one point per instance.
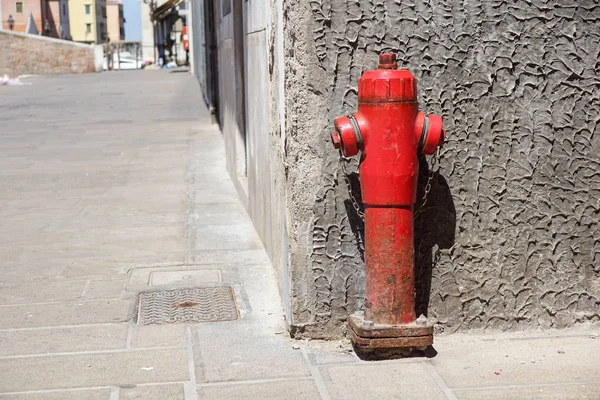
[[88, 21], [148, 51], [508, 239], [51, 17], [115, 21]]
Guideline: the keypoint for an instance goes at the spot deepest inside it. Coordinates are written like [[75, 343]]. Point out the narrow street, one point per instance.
[[115, 184]]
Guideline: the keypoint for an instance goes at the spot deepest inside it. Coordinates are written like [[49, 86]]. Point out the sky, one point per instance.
[[133, 24]]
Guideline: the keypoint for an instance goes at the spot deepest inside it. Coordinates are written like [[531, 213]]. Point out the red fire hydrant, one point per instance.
[[389, 131]]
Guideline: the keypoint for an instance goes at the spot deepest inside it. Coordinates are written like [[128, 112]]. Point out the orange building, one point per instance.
[[114, 20], [51, 17]]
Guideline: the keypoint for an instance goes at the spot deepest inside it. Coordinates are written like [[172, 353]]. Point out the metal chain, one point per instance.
[[353, 200], [432, 172]]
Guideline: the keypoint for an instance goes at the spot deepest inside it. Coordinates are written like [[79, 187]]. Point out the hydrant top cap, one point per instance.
[[387, 61]]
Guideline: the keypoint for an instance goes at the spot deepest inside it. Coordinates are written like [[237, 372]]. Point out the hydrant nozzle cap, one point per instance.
[[387, 61], [336, 139]]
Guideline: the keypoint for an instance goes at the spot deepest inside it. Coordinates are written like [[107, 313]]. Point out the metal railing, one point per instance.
[[122, 55]]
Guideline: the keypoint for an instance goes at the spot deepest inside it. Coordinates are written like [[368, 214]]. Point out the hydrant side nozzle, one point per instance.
[[435, 134], [429, 132], [349, 139]]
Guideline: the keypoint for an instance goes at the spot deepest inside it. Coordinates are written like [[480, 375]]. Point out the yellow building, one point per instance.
[[88, 20]]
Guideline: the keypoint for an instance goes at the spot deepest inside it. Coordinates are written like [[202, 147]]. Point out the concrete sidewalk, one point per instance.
[[115, 183]]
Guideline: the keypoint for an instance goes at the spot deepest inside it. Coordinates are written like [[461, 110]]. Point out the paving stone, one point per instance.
[[23, 232], [225, 192], [187, 277], [16, 272], [331, 352], [158, 335], [41, 293], [236, 350], [401, 379], [220, 213], [142, 278], [235, 257], [92, 269], [59, 340], [224, 237], [567, 392], [104, 289], [82, 394], [104, 369], [67, 313], [127, 262], [472, 360], [297, 390], [153, 392], [144, 240]]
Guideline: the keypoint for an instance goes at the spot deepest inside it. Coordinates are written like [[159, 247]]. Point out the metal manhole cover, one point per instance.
[[200, 304]]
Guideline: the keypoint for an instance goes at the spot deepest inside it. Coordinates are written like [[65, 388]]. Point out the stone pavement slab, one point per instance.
[[168, 335], [41, 292], [75, 338], [406, 378], [81, 394], [228, 357], [226, 237], [576, 391], [152, 392], [104, 289], [93, 369], [65, 313], [185, 277], [298, 389], [466, 361]]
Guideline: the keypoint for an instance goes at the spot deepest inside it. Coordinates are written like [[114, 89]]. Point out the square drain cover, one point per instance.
[[200, 304]]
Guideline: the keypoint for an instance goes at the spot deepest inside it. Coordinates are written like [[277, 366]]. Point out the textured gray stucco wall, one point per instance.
[[510, 237]]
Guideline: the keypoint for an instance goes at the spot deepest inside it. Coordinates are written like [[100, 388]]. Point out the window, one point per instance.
[[88, 9], [88, 28], [19, 7], [226, 7]]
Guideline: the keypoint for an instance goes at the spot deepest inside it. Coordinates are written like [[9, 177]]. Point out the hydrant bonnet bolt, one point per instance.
[[387, 61]]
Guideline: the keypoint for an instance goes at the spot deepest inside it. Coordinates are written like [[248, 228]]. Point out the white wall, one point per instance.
[[254, 147], [147, 33]]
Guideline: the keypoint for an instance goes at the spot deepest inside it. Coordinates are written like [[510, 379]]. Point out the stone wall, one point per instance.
[[509, 238], [28, 54]]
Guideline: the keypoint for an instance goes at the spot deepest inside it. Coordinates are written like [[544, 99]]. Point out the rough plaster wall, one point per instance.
[[510, 238]]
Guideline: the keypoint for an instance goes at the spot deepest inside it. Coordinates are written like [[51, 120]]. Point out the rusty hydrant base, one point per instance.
[[388, 336]]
